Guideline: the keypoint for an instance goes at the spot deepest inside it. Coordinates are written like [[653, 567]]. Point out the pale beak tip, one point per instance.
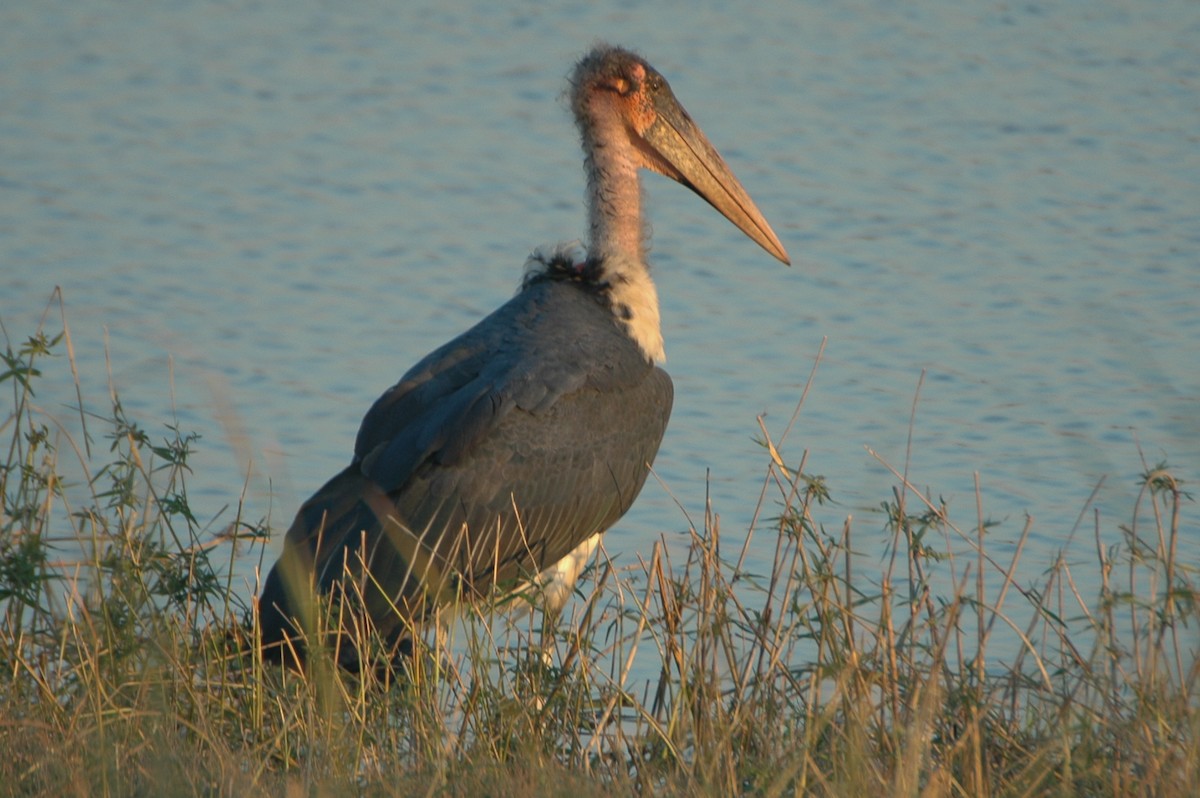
[[774, 246]]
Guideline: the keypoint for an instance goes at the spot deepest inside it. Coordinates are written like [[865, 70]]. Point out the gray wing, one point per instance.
[[492, 458]]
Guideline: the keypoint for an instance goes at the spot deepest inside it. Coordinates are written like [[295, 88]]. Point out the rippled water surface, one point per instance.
[[268, 213]]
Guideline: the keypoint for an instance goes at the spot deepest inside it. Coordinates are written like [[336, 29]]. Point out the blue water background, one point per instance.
[[264, 213]]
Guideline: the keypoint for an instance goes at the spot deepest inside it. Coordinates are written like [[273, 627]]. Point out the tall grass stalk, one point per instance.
[[129, 664]]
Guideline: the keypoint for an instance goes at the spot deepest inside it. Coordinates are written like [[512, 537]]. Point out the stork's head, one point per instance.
[[619, 98]]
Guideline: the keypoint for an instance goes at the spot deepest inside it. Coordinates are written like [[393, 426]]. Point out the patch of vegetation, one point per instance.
[[129, 665]]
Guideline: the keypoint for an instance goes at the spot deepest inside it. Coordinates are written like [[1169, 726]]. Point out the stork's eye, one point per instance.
[[621, 85]]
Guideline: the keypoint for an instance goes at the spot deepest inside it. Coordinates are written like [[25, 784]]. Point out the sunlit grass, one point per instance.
[[129, 664]]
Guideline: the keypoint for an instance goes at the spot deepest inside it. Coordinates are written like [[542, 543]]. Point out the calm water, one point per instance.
[[270, 213]]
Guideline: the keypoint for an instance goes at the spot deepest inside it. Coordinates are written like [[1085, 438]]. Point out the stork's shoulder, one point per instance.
[[551, 340], [623, 285], [559, 332]]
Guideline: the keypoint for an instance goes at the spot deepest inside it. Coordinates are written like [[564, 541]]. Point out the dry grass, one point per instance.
[[831, 672]]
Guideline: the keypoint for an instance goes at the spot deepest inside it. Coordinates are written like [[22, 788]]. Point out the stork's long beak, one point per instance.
[[696, 163]]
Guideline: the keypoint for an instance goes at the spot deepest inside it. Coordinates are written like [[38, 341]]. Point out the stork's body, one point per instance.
[[504, 454]]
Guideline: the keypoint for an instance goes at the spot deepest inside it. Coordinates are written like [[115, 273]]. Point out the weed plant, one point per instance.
[[129, 668]]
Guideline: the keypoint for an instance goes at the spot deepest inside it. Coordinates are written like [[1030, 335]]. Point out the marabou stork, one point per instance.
[[501, 457]]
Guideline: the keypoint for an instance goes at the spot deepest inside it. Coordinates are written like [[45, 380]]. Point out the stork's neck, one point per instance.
[[614, 193], [618, 235]]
